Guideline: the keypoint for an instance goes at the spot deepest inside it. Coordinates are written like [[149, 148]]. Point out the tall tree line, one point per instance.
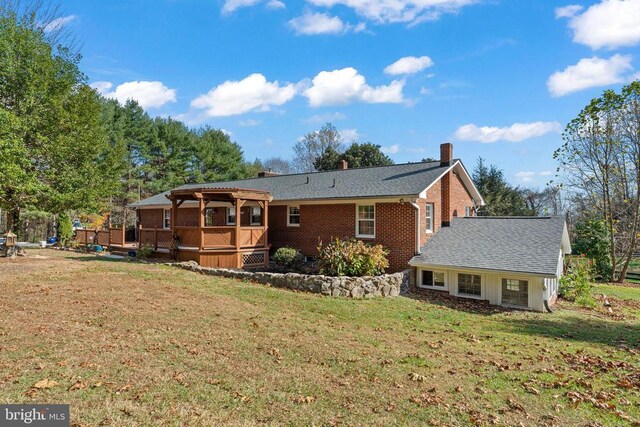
[[63, 147]]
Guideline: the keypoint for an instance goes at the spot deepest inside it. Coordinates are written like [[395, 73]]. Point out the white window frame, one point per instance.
[[289, 223], [429, 219], [166, 221], [365, 236], [228, 215], [434, 271], [467, 211], [259, 215], [464, 295]]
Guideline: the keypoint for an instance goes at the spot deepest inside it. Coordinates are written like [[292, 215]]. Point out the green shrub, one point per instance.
[[577, 285], [352, 258], [64, 229], [288, 259], [144, 251], [592, 240]]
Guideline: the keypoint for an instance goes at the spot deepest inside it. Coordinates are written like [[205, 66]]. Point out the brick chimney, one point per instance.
[[446, 156], [343, 165]]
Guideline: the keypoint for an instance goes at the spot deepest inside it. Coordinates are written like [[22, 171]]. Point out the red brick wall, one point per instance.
[[395, 228], [460, 197]]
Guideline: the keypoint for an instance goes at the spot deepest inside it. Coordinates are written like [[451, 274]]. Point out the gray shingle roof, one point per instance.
[[396, 180], [518, 244]]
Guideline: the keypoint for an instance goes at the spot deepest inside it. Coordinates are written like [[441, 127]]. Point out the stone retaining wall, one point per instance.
[[386, 285]]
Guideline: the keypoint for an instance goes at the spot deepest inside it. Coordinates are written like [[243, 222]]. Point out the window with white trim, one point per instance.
[[293, 216], [469, 284], [231, 216], [256, 215], [366, 221], [166, 219], [433, 279], [429, 217], [467, 211]]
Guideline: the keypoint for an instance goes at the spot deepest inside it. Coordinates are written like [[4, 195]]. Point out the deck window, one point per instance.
[[429, 217], [293, 217], [469, 284], [209, 216], [231, 216], [366, 221], [433, 279], [166, 219], [256, 215]]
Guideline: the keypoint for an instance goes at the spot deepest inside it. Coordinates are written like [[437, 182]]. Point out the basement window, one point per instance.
[[469, 284], [433, 279]]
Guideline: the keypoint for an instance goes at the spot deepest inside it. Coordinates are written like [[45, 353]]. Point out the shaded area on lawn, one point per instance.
[[578, 328]]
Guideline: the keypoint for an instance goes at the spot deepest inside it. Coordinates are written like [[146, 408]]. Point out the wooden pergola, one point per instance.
[[228, 246]]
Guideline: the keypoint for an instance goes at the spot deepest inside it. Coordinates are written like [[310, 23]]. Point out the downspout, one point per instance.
[[545, 296], [417, 208]]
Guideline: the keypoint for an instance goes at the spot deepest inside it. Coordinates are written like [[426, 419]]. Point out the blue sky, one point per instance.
[[498, 78]]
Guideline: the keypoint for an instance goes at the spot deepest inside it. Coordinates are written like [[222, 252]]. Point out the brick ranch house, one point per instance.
[[237, 223]]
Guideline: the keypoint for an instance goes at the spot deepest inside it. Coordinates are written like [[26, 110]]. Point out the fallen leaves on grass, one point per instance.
[[45, 383], [78, 385], [417, 377], [304, 400]]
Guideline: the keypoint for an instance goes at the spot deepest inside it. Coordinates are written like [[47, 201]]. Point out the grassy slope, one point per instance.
[[148, 343]]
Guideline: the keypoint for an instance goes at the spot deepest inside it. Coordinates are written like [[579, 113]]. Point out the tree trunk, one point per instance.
[[13, 219]]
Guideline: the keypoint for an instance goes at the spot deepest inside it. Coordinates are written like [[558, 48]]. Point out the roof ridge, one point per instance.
[[322, 172]]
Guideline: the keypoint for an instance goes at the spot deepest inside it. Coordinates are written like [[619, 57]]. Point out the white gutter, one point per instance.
[[417, 207]]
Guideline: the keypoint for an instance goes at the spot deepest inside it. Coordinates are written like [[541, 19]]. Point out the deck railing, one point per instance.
[[112, 236]]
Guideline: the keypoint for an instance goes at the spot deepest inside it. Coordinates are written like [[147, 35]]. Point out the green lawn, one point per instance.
[[135, 344]]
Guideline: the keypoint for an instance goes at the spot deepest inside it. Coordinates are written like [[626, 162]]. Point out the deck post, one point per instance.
[[155, 237], [174, 218], [124, 226], [265, 219], [238, 206], [201, 221]]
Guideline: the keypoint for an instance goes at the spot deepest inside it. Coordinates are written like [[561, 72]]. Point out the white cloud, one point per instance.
[[276, 4], [590, 72], [346, 85], [58, 23], [425, 91], [350, 135], [317, 23], [102, 87], [525, 176], [392, 11], [253, 93], [409, 65], [324, 118], [610, 24], [392, 149], [148, 94], [513, 133], [314, 23], [249, 123], [529, 176], [568, 11], [231, 6]]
